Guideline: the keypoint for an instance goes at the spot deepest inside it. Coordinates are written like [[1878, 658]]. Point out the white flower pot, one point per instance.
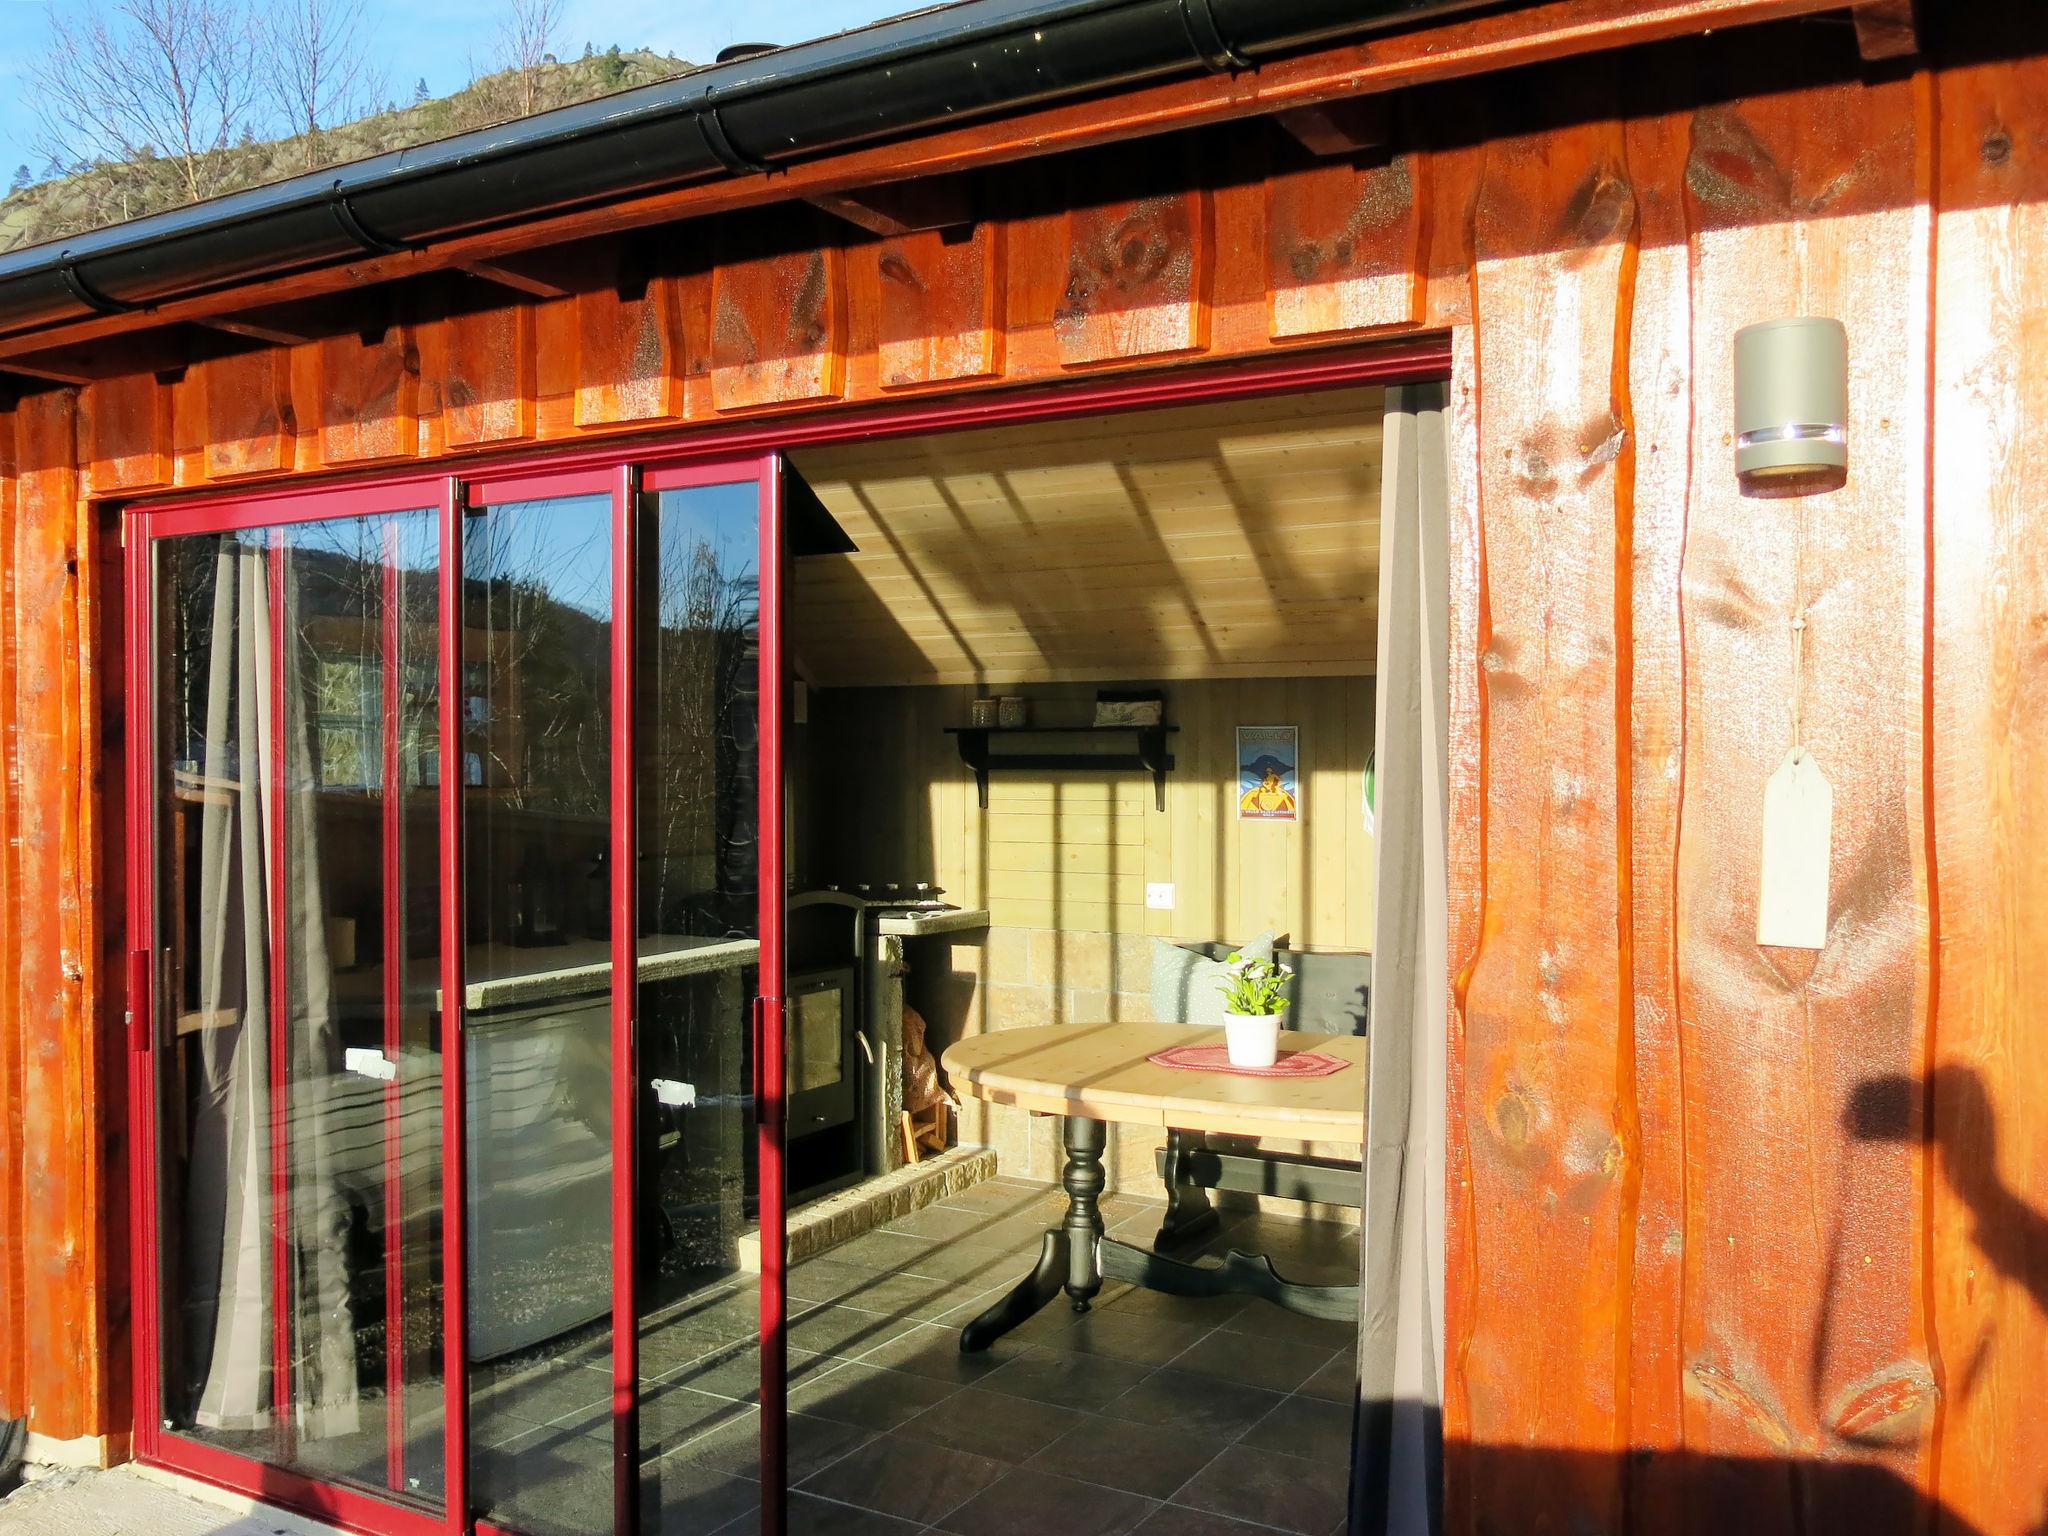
[[1253, 1039]]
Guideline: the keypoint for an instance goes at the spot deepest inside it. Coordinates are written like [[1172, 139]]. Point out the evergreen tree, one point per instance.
[[22, 177], [420, 93]]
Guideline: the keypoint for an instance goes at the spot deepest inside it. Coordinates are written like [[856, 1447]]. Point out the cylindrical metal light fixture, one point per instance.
[[1791, 398]]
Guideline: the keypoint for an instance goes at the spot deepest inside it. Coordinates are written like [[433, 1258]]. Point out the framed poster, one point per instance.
[[1268, 776]]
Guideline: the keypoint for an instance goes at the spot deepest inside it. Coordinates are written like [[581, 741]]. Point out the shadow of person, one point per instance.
[[2011, 1234]]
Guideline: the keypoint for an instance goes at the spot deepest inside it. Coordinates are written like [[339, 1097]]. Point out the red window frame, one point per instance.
[[625, 466]]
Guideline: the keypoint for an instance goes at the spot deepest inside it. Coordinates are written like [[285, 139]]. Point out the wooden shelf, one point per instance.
[[1149, 756]]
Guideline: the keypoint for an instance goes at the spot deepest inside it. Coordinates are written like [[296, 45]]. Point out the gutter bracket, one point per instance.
[[1217, 54], [352, 226], [88, 295], [729, 154]]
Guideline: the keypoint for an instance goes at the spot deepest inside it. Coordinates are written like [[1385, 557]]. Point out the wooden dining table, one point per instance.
[[1098, 1074]]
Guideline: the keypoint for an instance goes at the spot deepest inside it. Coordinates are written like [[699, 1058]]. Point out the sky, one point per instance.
[[436, 38]]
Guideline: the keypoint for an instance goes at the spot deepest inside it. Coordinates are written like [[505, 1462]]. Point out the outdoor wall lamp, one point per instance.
[[1791, 399]]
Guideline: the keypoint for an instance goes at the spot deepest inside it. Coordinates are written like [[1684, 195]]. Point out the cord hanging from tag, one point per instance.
[[1799, 809]]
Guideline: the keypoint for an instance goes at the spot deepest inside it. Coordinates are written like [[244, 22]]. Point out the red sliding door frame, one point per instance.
[[454, 993], [629, 470]]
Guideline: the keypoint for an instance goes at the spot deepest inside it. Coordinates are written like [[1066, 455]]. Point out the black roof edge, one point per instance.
[[953, 63]]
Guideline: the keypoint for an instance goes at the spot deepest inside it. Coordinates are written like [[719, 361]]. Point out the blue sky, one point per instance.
[[435, 38]]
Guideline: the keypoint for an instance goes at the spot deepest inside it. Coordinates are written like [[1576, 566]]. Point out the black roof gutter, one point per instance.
[[950, 64]]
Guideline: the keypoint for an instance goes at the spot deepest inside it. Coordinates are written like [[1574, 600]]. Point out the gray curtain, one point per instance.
[[228, 1209], [1397, 1476]]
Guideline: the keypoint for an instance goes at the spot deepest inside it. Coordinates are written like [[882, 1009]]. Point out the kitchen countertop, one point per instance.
[[914, 925], [584, 968]]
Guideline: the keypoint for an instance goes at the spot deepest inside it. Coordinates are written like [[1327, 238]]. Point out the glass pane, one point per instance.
[[300, 1267], [535, 761], [696, 738]]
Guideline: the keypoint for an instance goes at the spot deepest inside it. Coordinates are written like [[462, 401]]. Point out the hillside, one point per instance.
[[108, 193]]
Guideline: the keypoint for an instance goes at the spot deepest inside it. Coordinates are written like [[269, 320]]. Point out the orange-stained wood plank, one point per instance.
[[1654, 472], [1547, 995], [778, 327], [1989, 1241], [628, 356], [1344, 247], [368, 397], [64, 1093], [13, 1186], [486, 374], [938, 305], [127, 437], [1137, 273], [1804, 1336], [1386, 62], [246, 417]]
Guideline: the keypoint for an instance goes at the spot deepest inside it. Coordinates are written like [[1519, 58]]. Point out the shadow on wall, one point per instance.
[[1675, 1491], [1496, 1490], [2011, 1234]]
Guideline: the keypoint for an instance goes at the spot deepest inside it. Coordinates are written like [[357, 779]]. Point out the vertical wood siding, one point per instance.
[[1713, 1208]]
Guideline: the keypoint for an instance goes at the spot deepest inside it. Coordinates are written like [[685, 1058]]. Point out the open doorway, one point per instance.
[[1087, 707]]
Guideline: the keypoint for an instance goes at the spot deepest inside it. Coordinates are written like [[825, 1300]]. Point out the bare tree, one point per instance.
[[147, 84], [526, 43], [315, 69]]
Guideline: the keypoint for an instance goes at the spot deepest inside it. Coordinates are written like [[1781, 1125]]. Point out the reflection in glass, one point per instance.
[[696, 739], [299, 1085], [535, 761]]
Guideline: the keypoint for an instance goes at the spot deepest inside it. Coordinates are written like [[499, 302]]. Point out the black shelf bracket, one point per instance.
[[1149, 755]]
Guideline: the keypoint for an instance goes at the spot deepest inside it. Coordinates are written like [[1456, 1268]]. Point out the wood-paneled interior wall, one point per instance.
[[1739, 1238], [888, 799]]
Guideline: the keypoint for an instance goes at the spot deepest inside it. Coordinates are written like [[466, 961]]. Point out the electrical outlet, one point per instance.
[[1159, 897]]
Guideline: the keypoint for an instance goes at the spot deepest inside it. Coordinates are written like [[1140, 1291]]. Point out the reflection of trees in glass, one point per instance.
[[537, 692], [698, 716]]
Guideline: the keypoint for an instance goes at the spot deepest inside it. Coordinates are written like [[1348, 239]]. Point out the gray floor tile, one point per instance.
[[1291, 1492], [910, 1479], [1119, 1336], [1012, 1429], [1137, 1458], [679, 1497], [844, 1331], [868, 1395], [1084, 1382], [813, 1516], [1201, 1404], [1336, 1381], [1028, 1503], [1304, 1426], [929, 1350], [1251, 1361], [1178, 1520], [1266, 1321]]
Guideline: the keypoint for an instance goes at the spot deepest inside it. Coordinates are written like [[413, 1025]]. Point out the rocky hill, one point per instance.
[[107, 193]]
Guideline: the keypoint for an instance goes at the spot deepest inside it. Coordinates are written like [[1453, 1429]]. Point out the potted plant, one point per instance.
[[1253, 1003]]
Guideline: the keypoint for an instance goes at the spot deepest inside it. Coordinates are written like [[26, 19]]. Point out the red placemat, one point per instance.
[[1216, 1058]]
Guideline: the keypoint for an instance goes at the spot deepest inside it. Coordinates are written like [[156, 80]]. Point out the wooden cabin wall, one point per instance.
[[1737, 1237]]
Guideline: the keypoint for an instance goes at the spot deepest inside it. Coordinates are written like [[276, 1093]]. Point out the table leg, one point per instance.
[[1068, 1258], [1083, 1179], [1189, 1215]]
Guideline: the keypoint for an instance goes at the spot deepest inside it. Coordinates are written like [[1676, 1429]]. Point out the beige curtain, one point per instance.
[[228, 1232], [1397, 1484]]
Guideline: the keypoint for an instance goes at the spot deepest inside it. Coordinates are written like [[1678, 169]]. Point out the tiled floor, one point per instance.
[[1151, 1414]]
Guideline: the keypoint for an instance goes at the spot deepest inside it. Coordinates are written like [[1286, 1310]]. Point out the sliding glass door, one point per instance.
[[456, 808], [298, 1103]]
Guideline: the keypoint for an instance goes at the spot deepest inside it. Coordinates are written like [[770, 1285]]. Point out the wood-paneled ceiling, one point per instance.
[[1230, 540]]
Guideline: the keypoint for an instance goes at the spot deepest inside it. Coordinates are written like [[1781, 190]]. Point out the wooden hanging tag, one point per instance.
[[1799, 815]]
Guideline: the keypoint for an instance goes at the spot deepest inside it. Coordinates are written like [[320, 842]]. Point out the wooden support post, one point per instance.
[[903, 207], [1350, 126], [1885, 29]]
